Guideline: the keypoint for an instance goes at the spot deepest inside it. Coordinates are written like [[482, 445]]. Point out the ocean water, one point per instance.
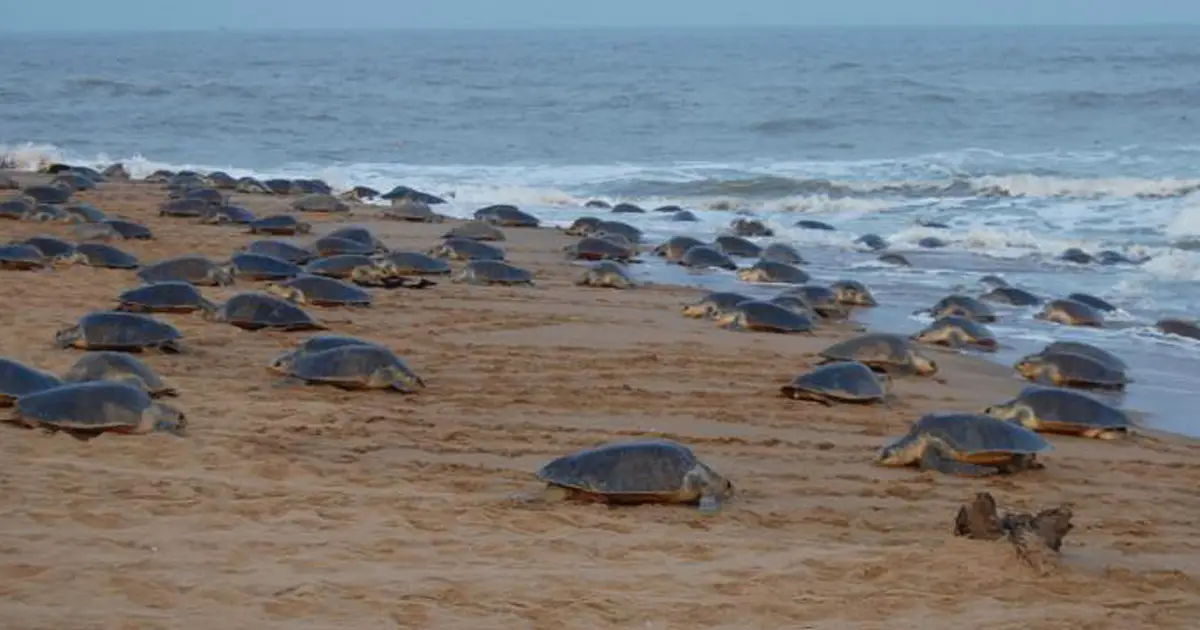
[[1023, 141]]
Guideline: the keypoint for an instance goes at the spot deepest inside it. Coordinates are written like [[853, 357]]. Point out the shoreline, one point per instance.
[[324, 506]]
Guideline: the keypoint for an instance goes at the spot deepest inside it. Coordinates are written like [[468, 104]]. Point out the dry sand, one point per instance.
[[315, 508]]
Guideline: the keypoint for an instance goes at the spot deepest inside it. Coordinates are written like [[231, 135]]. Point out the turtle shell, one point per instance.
[[263, 267], [737, 246], [1087, 350], [50, 194], [628, 208], [118, 366], [594, 248], [823, 300], [1012, 296], [314, 344], [782, 253], [279, 249], [98, 406], [607, 273], [775, 272], [356, 366], [1073, 370], [199, 270], [251, 186], [675, 247], [20, 256], [1071, 313], [979, 438], [338, 266], [1092, 301], [756, 315], [358, 234], [117, 330], [750, 227], [582, 226], [810, 224], [405, 192], [184, 208], [476, 231], [872, 241], [130, 230], [847, 381], [320, 202], [1057, 410], [283, 224], [254, 310], [326, 291], [964, 306], [336, 246], [228, 214], [955, 331], [883, 351], [853, 293], [1178, 327], [106, 256], [467, 249], [894, 259], [164, 297], [494, 272], [714, 304], [405, 209], [653, 469], [18, 379], [51, 247], [415, 264], [632, 234], [507, 216], [704, 256]]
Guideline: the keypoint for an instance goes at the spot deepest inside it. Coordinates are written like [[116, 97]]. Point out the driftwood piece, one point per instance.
[[1037, 538]]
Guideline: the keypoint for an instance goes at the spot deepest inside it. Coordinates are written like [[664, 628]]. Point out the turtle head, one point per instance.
[[699, 309], [1011, 411], [923, 365], [751, 275], [223, 276], [214, 314], [900, 452], [282, 363], [68, 336], [167, 418], [856, 296], [291, 294], [368, 275], [1030, 366]]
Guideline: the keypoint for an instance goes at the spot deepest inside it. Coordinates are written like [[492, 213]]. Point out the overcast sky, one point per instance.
[[42, 15]]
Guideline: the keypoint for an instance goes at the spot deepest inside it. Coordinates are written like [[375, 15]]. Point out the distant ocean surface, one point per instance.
[[1024, 141]]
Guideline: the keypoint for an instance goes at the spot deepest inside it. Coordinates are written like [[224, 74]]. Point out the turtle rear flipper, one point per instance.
[[935, 459]]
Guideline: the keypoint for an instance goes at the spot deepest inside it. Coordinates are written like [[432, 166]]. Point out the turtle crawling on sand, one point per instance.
[[483, 272], [1088, 350], [1052, 410], [884, 352], [280, 224], [963, 306], [164, 297], [607, 273], [320, 291], [965, 444], [121, 367], [758, 316], [846, 381], [958, 332], [91, 407], [21, 257], [626, 473], [466, 249], [312, 345], [1067, 369], [198, 270], [476, 231], [601, 248], [356, 366], [18, 379], [115, 330], [255, 310], [774, 272], [853, 293], [714, 304]]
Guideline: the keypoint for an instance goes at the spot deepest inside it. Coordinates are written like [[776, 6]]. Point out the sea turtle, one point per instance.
[[415, 264], [632, 234], [476, 231], [900, 260], [607, 273], [281, 250], [337, 246], [675, 247], [121, 367], [279, 185], [52, 248], [956, 331], [254, 310], [493, 272], [853, 293], [320, 291], [466, 249], [993, 281], [782, 253], [714, 304], [846, 381], [597, 203], [316, 343], [628, 208], [338, 266], [51, 194], [1066, 369], [1053, 410], [1087, 350], [211, 196], [356, 366], [507, 216], [21, 257], [199, 270], [963, 306], [251, 186], [582, 226], [105, 256], [636, 472], [360, 193], [872, 241], [737, 246], [967, 444], [411, 210], [931, 242], [164, 297], [883, 352], [221, 180], [822, 300], [17, 208], [795, 303], [184, 208], [1012, 296], [1070, 313], [760, 316], [228, 214], [404, 192], [1179, 327], [1093, 301], [320, 202], [311, 187], [685, 216], [116, 330], [116, 172], [130, 230], [359, 234], [704, 257], [1109, 257], [18, 379], [773, 272], [810, 224], [84, 212], [280, 225], [595, 248], [160, 176], [98, 406], [750, 227], [94, 232], [1077, 256]]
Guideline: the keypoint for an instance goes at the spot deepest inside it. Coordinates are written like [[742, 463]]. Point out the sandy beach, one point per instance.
[[312, 508]]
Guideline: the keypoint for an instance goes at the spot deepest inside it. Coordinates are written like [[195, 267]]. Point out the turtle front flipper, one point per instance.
[[934, 458], [1022, 461], [711, 502]]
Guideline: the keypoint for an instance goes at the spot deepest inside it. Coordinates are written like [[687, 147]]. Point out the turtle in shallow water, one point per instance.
[[759, 316], [255, 310], [853, 293], [21, 257], [120, 367], [884, 352], [199, 270], [1087, 350], [583, 226], [18, 379], [1097, 303], [846, 381], [811, 224], [411, 210], [1066, 369], [675, 247], [476, 231], [356, 366], [822, 300], [316, 343], [705, 257], [93, 407], [714, 304], [644, 471], [1052, 410], [782, 253], [1012, 296], [608, 274], [507, 216], [105, 256], [966, 444], [116, 330], [597, 248], [466, 249], [958, 332], [750, 227], [415, 264], [1178, 327], [1070, 313], [281, 250], [279, 225], [483, 272], [320, 291], [891, 258], [737, 246], [872, 241], [631, 234], [360, 193], [320, 202], [773, 272], [164, 297], [963, 306], [628, 208]]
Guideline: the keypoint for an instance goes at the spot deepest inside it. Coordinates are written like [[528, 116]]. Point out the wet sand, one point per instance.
[[295, 507]]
